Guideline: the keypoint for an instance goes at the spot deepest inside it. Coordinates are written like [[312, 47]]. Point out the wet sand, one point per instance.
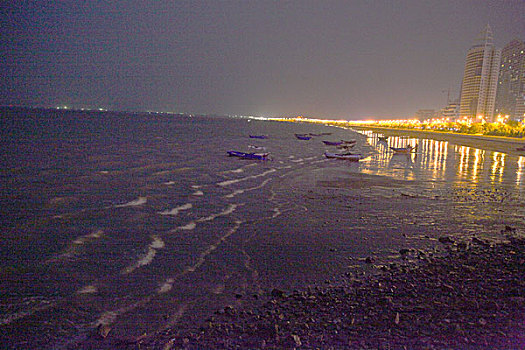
[[467, 294], [471, 298], [493, 143], [470, 294]]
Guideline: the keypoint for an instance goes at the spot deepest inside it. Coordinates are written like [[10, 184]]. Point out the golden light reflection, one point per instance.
[[478, 163], [433, 158], [520, 170], [463, 165], [498, 164]]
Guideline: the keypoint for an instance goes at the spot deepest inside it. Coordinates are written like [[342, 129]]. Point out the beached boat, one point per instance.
[[244, 155], [349, 142], [346, 156], [332, 143], [404, 150], [258, 136], [303, 137]]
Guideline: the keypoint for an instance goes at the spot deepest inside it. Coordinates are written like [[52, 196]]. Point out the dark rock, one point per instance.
[[277, 293], [404, 251], [446, 240]]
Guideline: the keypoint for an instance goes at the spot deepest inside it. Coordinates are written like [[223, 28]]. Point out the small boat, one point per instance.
[[259, 148], [303, 136], [349, 142], [244, 155], [346, 156], [404, 150], [332, 143], [382, 138], [258, 136]]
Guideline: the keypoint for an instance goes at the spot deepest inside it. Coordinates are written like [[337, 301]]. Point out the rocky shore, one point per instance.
[[472, 297]]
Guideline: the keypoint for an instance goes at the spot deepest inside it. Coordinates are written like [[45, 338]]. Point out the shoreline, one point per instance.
[[471, 298], [493, 143]]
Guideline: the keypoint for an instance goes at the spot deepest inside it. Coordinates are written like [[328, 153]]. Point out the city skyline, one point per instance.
[[330, 60], [480, 79]]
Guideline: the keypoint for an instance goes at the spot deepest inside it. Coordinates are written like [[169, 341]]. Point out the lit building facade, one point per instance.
[[451, 111], [510, 98], [480, 79]]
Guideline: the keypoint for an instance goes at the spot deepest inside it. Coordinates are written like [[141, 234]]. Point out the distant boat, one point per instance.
[[346, 146], [244, 155], [303, 136], [332, 143], [258, 136], [346, 156], [404, 150], [321, 134]]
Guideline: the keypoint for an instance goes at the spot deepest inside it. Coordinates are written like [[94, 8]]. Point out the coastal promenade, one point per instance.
[[493, 143]]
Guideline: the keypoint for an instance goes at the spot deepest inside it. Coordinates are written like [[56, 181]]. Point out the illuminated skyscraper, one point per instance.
[[480, 80], [510, 99]]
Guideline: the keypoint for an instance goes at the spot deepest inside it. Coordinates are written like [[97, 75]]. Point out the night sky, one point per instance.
[[327, 59]]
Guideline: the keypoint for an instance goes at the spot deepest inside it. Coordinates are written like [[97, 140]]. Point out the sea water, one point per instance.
[[141, 222]]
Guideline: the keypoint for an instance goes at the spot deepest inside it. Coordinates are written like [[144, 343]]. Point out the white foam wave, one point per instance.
[[196, 186], [231, 208], [190, 226], [109, 317], [157, 243], [187, 227], [18, 315], [166, 286], [213, 247], [134, 203], [198, 193], [175, 211], [237, 192], [169, 183], [89, 237], [90, 289], [74, 246], [229, 182]]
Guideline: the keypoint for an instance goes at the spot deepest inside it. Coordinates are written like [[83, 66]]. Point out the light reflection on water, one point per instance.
[[442, 161]]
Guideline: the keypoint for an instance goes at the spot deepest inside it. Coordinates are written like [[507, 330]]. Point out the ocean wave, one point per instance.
[[133, 203], [74, 246], [175, 211], [157, 243], [237, 192], [229, 182]]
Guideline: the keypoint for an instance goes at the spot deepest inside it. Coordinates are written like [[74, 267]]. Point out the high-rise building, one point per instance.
[[451, 111], [480, 80], [510, 98]]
